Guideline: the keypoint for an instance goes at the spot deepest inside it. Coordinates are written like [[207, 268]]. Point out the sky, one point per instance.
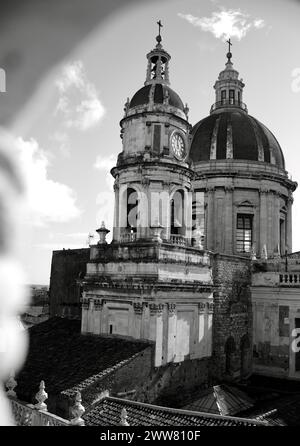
[[68, 134]]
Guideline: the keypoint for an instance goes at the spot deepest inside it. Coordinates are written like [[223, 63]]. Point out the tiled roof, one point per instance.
[[61, 356], [108, 411], [223, 399], [284, 411]]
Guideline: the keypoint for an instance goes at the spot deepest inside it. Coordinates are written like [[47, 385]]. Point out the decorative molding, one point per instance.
[[210, 307], [85, 304], [98, 305], [138, 307], [201, 307], [156, 309], [171, 308]]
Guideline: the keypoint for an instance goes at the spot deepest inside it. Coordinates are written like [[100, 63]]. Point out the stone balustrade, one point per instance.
[[37, 414], [128, 237], [289, 279], [178, 240]]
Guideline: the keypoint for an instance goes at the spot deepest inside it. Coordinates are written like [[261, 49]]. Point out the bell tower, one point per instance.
[[152, 176], [152, 282]]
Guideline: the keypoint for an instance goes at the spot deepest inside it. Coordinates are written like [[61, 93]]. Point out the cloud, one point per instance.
[[48, 200], [63, 140], [78, 103], [105, 202], [105, 164], [225, 23]]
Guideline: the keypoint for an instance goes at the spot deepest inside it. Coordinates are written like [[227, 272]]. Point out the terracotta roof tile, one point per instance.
[[64, 358]]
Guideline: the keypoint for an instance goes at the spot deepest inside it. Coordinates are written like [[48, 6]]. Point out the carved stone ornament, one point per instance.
[[77, 411], [41, 396]]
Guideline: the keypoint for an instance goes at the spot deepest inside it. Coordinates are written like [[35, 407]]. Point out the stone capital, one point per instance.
[[210, 307], [85, 304], [138, 307], [172, 308], [156, 309], [97, 305], [201, 307]]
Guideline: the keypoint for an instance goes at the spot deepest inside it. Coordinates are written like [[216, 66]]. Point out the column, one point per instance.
[[171, 332], [84, 315], [289, 239], [90, 327], [263, 213], [145, 324], [270, 224], [274, 316], [138, 310], [156, 331], [116, 228], [210, 219], [104, 318], [201, 325], [97, 316], [229, 219], [276, 233], [208, 327]]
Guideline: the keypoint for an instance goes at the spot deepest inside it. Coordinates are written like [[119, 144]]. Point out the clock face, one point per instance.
[[178, 146]]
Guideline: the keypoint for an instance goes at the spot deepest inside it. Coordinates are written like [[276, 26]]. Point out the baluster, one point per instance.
[[124, 416]]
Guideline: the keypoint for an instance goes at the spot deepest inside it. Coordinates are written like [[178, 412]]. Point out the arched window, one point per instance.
[[177, 213], [132, 209]]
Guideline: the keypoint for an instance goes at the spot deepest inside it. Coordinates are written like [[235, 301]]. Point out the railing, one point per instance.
[[128, 237], [27, 415], [178, 240], [289, 279], [229, 103], [37, 414]]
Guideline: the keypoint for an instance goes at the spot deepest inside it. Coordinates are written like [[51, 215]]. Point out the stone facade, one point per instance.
[[276, 313]]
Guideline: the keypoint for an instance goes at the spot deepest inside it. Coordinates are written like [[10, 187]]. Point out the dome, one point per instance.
[[251, 140], [141, 97]]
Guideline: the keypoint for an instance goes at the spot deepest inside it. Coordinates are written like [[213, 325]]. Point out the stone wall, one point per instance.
[[64, 294], [139, 380], [232, 321]]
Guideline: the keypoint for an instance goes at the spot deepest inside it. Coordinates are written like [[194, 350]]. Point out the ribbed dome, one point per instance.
[[141, 97], [244, 136]]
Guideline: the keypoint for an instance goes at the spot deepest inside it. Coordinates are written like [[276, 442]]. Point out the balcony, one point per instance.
[[229, 103]]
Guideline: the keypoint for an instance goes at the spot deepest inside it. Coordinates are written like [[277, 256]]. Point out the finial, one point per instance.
[[158, 38], [124, 416], [102, 231], [229, 54], [41, 397], [77, 411], [11, 384]]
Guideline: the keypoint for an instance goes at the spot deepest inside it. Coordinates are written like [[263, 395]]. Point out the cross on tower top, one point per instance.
[[159, 26], [229, 45]]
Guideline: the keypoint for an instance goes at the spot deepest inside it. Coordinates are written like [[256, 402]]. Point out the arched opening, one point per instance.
[[245, 356], [177, 210], [230, 350], [132, 210]]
